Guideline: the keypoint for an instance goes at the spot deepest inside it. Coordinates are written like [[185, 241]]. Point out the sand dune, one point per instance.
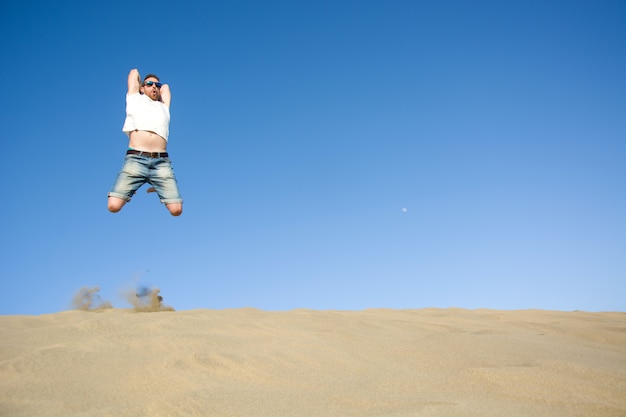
[[246, 362]]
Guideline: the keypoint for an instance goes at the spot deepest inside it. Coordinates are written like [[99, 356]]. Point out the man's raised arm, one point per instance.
[[134, 81], [166, 94]]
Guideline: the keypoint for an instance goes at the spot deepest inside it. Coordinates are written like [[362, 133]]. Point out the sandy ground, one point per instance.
[[246, 362]]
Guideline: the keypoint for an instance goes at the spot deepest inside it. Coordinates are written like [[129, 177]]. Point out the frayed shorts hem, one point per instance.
[[120, 196], [172, 201]]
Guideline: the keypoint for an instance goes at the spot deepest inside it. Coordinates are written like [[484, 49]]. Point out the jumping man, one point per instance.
[[147, 161]]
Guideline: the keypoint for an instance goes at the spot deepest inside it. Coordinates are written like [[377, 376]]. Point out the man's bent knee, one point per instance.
[[115, 204], [175, 209]]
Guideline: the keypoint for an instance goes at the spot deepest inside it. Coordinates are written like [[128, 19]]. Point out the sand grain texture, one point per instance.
[[247, 362]]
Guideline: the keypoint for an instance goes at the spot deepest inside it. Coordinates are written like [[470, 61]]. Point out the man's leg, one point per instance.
[[129, 179], [163, 181], [176, 209], [115, 204]]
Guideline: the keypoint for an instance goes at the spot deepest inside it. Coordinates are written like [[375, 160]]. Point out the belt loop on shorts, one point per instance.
[[148, 154]]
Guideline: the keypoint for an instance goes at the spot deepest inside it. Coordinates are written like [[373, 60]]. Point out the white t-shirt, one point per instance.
[[143, 113]]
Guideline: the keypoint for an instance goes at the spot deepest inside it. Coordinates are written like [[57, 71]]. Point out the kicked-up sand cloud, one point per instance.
[[147, 299], [143, 299], [87, 298]]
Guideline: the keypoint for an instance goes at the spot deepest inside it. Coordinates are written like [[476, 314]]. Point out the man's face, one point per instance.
[[151, 88]]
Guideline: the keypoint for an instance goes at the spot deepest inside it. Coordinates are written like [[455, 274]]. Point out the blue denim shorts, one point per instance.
[[138, 170]]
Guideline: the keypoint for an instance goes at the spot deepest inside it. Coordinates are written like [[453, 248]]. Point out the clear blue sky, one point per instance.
[[299, 132]]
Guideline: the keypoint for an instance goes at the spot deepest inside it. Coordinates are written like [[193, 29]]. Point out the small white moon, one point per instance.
[[404, 209]]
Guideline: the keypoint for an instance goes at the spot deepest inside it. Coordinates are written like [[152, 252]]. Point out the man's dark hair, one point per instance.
[[148, 76]]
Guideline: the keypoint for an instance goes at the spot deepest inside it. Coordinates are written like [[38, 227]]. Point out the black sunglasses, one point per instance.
[[150, 83]]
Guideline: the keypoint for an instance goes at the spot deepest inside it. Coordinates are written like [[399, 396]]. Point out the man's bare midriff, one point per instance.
[[144, 140]]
